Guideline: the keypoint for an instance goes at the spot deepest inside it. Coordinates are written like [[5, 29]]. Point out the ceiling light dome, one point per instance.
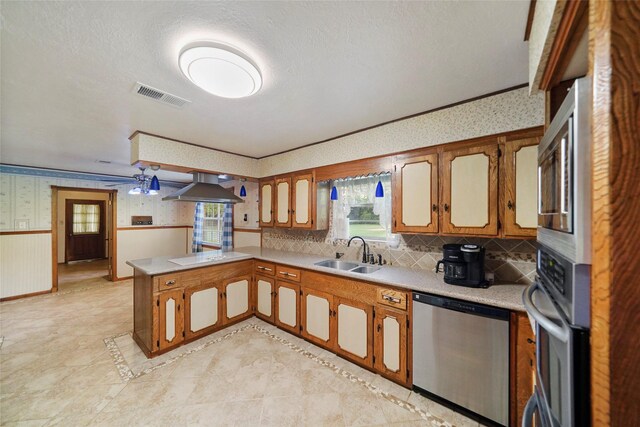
[[220, 69]]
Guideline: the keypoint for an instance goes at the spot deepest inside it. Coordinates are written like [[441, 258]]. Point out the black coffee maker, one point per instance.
[[463, 265]]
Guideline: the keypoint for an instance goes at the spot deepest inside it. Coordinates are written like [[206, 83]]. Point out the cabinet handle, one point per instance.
[[284, 273], [178, 307], [264, 268], [446, 207], [170, 282], [510, 205], [378, 327], [434, 208], [391, 299]]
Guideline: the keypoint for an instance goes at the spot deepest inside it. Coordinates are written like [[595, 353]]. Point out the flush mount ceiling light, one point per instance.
[[220, 69]]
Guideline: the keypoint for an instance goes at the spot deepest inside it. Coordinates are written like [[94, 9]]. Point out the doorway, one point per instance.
[[83, 237], [84, 230]]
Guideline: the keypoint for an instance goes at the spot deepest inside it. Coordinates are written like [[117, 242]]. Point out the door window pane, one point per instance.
[[86, 219]]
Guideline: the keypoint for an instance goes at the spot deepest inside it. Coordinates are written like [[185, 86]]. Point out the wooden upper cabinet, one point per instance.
[[520, 187], [415, 194], [265, 206], [282, 202], [470, 190], [302, 200]]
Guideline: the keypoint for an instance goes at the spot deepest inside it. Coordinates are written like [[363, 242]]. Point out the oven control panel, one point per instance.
[[552, 270]]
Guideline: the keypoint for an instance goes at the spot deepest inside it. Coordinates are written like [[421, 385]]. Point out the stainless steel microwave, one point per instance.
[[564, 177]]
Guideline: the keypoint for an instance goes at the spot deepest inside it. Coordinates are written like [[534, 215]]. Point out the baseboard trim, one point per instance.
[[33, 294]]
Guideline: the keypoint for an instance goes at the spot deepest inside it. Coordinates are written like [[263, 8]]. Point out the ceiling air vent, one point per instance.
[[158, 95]]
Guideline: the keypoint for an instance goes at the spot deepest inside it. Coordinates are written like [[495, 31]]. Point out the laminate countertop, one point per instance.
[[507, 296]]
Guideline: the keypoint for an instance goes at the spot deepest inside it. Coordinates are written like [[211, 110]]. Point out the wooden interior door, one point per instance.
[[415, 195], [391, 343], [85, 232], [520, 201], [301, 211], [288, 306], [266, 203], [316, 310], [265, 291], [170, 318], [470, 190], [202, 309], [283, 202], [354, 338]]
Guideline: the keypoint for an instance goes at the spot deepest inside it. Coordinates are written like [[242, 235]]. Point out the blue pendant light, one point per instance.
[[334, 193], [155, 184], [243, 191], [379, 190]]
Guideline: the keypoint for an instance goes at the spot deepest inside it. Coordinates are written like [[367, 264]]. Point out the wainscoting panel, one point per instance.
[[148, 243], [26, 264]]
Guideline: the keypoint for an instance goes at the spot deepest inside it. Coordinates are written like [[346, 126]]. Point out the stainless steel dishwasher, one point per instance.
[[461, 354]]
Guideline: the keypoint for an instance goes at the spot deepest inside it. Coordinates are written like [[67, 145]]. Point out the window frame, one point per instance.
[[220, 219]]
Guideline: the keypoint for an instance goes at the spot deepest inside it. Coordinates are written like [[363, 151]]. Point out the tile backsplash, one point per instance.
[[511, 260]]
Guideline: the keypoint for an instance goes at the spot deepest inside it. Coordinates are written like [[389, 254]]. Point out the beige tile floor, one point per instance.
[[56, 369]]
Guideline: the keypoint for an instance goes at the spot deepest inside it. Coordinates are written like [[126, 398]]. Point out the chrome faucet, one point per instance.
[[365, 251]]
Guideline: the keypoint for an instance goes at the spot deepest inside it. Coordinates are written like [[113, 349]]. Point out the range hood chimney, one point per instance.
[[204, 188]]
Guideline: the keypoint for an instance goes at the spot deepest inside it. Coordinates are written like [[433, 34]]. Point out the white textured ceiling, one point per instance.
[[68, 69]]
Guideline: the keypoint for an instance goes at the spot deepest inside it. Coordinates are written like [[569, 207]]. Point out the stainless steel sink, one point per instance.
[[337, 264], [347, 266], [365, 269]]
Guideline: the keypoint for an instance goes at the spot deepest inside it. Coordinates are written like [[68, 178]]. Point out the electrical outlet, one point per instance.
[[22, 224], [246, 218]]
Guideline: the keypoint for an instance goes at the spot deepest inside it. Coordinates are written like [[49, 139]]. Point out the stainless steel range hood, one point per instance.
[[205, 188]]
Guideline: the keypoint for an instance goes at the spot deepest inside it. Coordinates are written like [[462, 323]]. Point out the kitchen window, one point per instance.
[[212, 223], [358, 212], [86, 219]]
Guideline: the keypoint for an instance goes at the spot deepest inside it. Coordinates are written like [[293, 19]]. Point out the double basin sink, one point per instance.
[[348, 266]]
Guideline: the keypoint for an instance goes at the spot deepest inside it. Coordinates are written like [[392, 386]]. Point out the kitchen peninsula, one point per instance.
[[365, 318]]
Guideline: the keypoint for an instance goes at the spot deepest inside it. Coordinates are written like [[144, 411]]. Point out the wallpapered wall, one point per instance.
[[505, 112], [24, 197]]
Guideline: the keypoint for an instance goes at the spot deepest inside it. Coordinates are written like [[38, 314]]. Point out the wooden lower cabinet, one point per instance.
[[237, 296], [522, 365], [202, 309], [317, 316], [390, 341], [170, 307], [354, 338], [287, 306], [265, 298]]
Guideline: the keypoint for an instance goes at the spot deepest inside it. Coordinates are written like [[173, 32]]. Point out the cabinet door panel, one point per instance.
[[416, 194], [470, 190], [202, 313], [391, 344], [266, 204], [520, 201], [287, 306], [302, 197], [170, 318], [236, 295], [355, 338], [265, 292], [283, 202], [316, 317]]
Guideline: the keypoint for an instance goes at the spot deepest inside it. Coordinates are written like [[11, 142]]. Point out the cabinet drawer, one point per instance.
[[392, 298], [288, 273], [265, 268], [173, 281]]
